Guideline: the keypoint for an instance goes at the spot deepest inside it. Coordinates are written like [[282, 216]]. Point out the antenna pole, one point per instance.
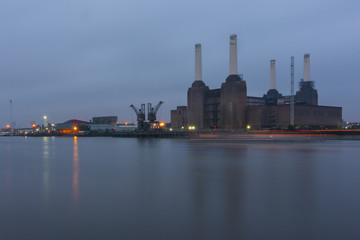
[[11, 118], [292, 100]]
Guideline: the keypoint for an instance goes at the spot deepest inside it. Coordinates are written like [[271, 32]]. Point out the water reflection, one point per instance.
[[8, 169], [46, 170], [178, 189], [218, 189], [237, 186], [75, 182]]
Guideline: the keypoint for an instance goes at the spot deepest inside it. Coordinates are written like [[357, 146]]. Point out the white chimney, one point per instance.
[[272, 74], [233, 67], [198, 65], [306, 76]]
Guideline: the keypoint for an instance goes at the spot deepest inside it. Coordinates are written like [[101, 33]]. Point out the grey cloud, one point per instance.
[[77, 59]]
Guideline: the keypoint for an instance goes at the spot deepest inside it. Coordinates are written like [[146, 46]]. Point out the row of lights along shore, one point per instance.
[[46, 127]]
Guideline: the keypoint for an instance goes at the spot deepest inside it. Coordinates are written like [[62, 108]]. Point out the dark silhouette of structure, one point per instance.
[[230, 108]]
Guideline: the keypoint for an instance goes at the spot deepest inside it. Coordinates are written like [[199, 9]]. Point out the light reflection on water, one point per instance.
[[46, 164], [76, 171], [178, 189]]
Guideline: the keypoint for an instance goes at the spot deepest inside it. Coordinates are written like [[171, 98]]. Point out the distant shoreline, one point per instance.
[[228, 135]]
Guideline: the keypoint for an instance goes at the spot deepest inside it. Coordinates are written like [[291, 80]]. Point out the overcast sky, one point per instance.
[[84, 58]]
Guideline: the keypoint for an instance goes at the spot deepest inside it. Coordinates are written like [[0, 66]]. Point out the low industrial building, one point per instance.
[[230, 108], [98, 124], [121, 128], [101, 127], [103, 124], [72, 126], [110, 120], [179, 117]]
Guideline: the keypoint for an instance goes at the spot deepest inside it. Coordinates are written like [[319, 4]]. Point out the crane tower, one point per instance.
[[151, 116]]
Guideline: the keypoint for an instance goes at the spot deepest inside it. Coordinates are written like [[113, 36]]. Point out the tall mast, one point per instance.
[[292, 100], [11, 115]]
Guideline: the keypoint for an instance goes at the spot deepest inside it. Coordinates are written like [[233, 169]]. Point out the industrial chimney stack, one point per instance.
[[272, 74], [306, 76], [233, 67], [233, 95], [198, 64], [307, 94], [196, 96]]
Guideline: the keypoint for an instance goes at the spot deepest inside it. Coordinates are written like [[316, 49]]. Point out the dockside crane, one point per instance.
[[153, 111], [140, 114]]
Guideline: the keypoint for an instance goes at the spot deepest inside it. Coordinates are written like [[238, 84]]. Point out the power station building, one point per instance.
[[229, 107]]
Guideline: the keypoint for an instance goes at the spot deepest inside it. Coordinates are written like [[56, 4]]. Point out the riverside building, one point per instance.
[[229, 107]]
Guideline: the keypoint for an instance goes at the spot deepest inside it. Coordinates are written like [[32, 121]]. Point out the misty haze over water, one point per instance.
[[117, 188]]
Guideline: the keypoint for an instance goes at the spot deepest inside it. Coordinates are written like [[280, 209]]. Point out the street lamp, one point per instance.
[[45, 122]]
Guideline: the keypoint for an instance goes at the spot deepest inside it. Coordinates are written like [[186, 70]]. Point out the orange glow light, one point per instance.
[[162, 124], [75, 128]]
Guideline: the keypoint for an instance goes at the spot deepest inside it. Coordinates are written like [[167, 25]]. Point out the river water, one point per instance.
[[118, 188]]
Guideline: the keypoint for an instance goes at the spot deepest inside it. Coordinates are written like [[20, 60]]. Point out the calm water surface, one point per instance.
[[115, 188]]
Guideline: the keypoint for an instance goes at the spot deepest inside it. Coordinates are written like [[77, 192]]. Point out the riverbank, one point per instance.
[[229, 135]]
